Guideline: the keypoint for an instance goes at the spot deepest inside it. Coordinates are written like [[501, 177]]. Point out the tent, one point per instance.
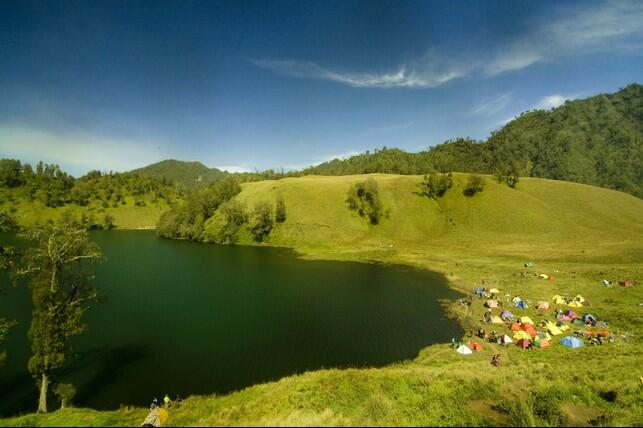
[[589, 319], [575, 304], [558, 299], [543, 276], [579, 298], [529, 328], [491, 303], [496, 320], [523, 343], [479, 291], [529, 264], [571, 314], [506, 339], [475, 346], [571, 342], [515, 326], [521, 305], [553, 329], [463, 350], [542, 305], [506, 315], [494, 291], [522, 335], [543, 343], [516, 300], [544, 335], [526, 320]]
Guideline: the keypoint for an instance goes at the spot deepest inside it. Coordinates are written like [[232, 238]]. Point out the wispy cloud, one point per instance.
[[429, 71], [390, 128], [331, 157], [611, 26], [78, 151], [491, 106]]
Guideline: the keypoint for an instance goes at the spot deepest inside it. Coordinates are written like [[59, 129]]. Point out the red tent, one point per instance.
[[523, 343]]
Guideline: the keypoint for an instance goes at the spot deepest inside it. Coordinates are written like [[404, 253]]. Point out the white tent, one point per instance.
[[464, 350], [507, 339]]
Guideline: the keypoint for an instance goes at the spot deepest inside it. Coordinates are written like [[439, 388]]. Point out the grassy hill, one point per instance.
[[596, 140], [578, 233], [186, 174]]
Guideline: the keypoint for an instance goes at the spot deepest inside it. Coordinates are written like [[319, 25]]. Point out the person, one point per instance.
[[167, 401], [155, 403], [453, 342]]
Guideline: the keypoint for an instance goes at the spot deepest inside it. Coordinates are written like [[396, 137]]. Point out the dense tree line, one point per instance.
[[54, 188], [593, 141]]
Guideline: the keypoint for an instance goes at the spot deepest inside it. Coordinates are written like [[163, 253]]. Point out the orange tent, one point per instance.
[[515, 326], [529, 328], [475, 346], [543, 343]]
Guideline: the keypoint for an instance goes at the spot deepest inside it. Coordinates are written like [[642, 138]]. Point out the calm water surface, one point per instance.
[[186, 318]]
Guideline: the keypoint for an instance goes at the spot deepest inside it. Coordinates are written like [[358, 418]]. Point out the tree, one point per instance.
[[108, 221], [364, 198], [65, 393], [61, 293], [261, 221], [10, 172], [280, 210], [435, 186], [474, 185]]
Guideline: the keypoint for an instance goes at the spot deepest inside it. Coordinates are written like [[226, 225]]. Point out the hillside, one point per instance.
[[186, 174], [597, 141], [579, 233]]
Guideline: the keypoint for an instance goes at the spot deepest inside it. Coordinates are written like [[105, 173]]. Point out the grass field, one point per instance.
[[580, 234]]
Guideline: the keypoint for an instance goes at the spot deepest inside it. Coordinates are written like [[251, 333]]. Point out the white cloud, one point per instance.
[[234, 168], [551, 101], [612, 26], [491, 106], [77, 151], [328, 158]]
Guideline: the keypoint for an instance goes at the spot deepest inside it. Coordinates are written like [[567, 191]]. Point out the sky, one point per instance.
[[252, 85]]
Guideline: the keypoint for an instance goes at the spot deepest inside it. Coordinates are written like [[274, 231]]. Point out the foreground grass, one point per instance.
[[580, 234]]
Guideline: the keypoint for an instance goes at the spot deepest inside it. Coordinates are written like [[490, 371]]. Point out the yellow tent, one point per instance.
[[553, 328], [494, 291], [163, 415], [558, 299], [563, 328], [543, 276], [526, 320], [579, 298], [575, 304], [522, 335], [497, 320]]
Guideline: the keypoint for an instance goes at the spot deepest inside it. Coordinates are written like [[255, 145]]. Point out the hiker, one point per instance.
[[154, 404], [453, 342], [167, 401]]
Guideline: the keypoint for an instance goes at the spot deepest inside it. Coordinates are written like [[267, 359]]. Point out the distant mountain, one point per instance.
[[597, 141], [186, 174]]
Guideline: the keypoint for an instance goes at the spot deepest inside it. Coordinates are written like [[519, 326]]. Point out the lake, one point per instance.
[[187, 318]]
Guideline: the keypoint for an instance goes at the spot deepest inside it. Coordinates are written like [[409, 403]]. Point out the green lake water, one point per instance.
[[186, 318]]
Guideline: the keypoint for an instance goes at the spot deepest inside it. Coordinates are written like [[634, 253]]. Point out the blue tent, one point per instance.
[[506, 315], [521, 304], [589, 318], [571, 342], [479, 291]]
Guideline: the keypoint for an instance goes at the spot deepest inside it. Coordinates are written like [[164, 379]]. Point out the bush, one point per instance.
[[65, 393], [364, 198], [261, 221], [474, 185], [435, 186], [227, 223], [280, 210], [108, 221]]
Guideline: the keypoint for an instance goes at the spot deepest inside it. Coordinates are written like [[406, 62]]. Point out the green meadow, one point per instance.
[[578, 233]]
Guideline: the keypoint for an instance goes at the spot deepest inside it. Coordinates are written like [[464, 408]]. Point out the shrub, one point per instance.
[[364, 198], [261, 221], [280, 210], [108, 221], [435, 186], [474, 185]]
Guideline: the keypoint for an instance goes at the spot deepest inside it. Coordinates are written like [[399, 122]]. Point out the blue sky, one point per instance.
[[256, 85]]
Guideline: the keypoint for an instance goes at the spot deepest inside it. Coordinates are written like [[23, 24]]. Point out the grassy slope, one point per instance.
[[126, 216], [579, 233]]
